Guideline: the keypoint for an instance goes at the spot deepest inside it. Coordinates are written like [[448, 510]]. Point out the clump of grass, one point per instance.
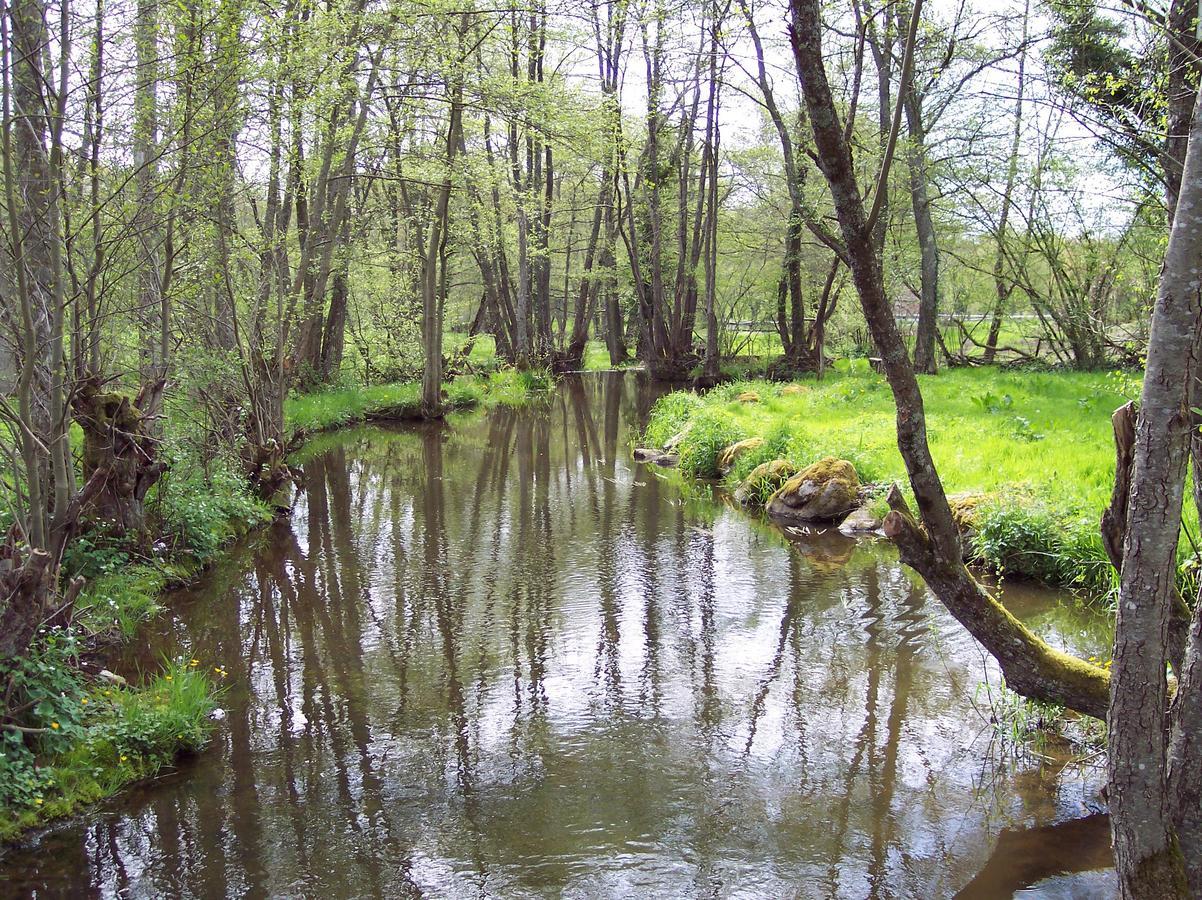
[[306, 414], [777, 445], [82, 742], [121, 601], [669, 415], [1032, 541], [1024, 725], [709, 434], [512, 387]]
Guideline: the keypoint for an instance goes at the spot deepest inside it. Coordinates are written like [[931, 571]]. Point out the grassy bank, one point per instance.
[[306, 414], [1034, 448], [84, 739], [72, 736]]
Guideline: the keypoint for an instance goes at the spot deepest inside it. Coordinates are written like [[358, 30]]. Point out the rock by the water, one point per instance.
[[860, 521], [748, 397], [825, 491], [966, 509], [765, 478], [730, 455], [659, 457]]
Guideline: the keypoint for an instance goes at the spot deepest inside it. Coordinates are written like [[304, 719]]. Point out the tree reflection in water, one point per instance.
[[497, 658]]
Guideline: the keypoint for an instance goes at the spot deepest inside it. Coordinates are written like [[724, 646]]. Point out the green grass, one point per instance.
[[306, 414], [95, 739], [1038, 444]]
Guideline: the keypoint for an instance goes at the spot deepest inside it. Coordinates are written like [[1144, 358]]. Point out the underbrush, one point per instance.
[[1037, 446], [194, 512], [69, 740]]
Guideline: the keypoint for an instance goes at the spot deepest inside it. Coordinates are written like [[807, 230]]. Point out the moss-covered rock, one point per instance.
[[763, 481], [748, 397], [825, 491], [966, 509], [730, 455], [792, 390]]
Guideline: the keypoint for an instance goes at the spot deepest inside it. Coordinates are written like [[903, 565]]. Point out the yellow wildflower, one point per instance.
[[54, 725], [38, 801]]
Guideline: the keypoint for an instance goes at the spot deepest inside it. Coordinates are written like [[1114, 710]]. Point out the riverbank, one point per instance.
[[1030, 453], [81, 736]]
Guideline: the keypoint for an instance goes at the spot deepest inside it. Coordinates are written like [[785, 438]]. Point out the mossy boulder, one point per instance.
[[825, 491], [966, 513], [793, 390], [748, 397], [763, 481], [966, 509], [730, 455]]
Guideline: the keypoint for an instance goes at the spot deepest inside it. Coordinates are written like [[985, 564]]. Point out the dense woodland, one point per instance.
[[212, 206]]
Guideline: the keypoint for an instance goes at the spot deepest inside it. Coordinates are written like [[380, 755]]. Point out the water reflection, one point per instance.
[[498, 658]]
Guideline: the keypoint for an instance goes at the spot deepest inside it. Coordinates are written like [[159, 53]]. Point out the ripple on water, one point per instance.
[[501, 660]]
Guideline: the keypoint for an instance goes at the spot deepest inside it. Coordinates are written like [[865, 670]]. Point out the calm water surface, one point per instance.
[[500, 659]]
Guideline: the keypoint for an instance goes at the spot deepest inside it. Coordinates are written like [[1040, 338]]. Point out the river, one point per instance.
[[498, 658]]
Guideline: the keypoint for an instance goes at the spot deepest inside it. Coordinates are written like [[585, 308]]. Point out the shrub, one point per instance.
[[199, 514]]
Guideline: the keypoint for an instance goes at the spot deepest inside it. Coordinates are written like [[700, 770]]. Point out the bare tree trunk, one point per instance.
[[1001, 286], [924, 226], [434, 264], [1147, 853], [146, 223]]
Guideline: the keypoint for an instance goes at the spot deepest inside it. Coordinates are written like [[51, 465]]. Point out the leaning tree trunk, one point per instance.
[[1031, 667]]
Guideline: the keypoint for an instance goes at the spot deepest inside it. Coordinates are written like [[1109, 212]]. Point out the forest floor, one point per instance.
[[1035, 448]]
